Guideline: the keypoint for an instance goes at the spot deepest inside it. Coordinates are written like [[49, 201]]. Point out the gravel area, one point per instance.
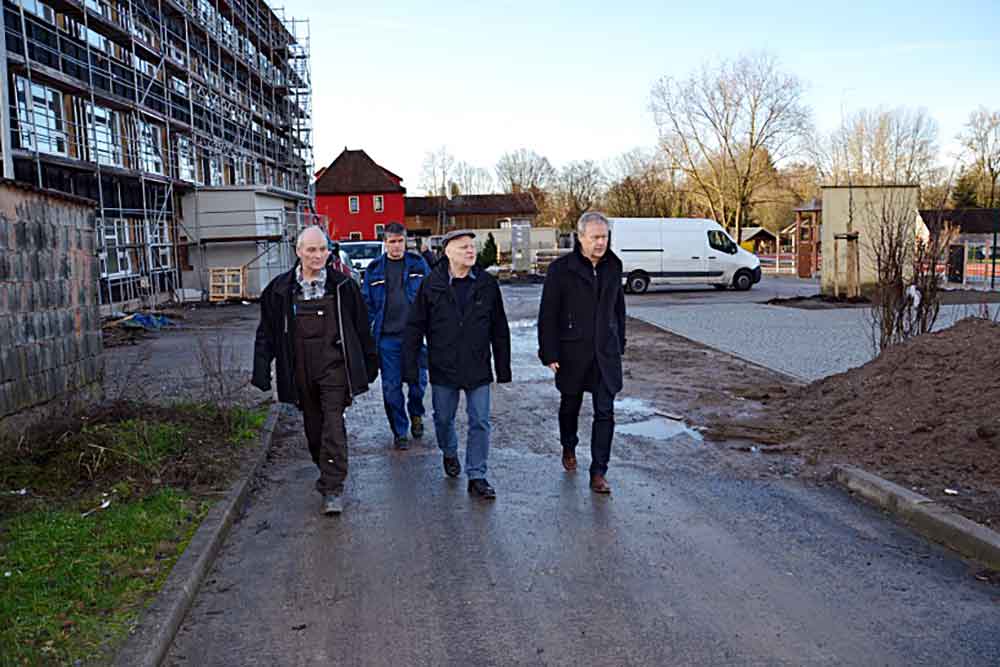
[[804, 344]]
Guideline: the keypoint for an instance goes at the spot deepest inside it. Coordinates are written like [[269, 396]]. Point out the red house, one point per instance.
[[359, 197]]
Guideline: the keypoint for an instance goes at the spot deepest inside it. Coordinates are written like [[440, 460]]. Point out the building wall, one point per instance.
[[863, 208], [342, 222], [50, 328]]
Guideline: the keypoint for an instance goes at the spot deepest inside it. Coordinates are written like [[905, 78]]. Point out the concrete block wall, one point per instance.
[[50, 326]]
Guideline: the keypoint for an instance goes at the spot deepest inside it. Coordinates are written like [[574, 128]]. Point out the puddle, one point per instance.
[[659, 428], [634, 406]]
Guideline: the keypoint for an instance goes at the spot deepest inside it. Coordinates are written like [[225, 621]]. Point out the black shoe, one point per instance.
[[452, 467], [401, 442], [417, 427], [482, 488]]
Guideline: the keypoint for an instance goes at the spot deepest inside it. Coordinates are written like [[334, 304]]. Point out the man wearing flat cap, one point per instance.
[[459, 310]]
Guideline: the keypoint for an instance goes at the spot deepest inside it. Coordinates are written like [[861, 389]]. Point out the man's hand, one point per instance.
[[554, 366]]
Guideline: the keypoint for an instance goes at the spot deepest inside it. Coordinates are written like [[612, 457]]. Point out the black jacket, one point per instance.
[[458, 345], [276, 335], [582, 318]]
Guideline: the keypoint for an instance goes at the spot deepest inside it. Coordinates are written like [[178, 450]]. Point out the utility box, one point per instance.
[[520, 248]]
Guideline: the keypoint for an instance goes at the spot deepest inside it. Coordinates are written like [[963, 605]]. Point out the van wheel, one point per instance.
[[743, 280], [637, 283]]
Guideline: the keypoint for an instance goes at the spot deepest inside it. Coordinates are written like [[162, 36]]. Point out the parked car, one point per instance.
[[361, 253], [680, 251]]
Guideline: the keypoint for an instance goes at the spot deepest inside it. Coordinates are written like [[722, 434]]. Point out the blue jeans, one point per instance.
[[390, 359], [477, 407]]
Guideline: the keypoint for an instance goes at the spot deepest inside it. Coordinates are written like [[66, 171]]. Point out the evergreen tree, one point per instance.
[[488, 255], [964, 194]]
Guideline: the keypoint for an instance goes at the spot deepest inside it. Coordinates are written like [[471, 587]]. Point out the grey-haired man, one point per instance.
[[314, 324]]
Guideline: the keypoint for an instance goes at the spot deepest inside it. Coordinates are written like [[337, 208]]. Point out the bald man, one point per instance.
[[314, 325]]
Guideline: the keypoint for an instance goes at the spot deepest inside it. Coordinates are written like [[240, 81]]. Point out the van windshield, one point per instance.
[[362, 250]]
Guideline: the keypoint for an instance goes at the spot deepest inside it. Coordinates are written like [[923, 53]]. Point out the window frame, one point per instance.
[[378, 203], [354, 204]]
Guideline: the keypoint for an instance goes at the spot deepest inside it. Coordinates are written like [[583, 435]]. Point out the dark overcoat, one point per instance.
[[581, 320]]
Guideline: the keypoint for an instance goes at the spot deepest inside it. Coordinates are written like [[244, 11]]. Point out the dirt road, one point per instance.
[[702, 555]]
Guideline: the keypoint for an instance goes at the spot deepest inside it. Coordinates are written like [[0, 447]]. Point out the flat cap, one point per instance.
[[456, 234]]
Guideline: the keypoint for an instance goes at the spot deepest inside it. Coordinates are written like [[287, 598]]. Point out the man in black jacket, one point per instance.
[[581, 337], [460, 311], [314, 323]]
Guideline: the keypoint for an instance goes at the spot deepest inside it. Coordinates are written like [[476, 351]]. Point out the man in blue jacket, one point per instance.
[[390, 286]]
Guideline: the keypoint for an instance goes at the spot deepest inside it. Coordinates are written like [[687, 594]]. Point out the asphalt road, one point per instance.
[[688, 563]]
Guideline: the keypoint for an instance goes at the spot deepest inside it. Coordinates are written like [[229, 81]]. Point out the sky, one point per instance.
[[572, 80]]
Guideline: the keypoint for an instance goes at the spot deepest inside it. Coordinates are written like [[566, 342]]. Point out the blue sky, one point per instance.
[[572, 80]]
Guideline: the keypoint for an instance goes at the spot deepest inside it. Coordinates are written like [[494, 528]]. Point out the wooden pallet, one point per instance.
[[226, 283]]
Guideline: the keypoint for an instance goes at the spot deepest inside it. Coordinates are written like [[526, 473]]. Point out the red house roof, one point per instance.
[[354, 172]]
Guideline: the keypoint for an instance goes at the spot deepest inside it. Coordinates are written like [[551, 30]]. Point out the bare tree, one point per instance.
[[524, 171], [725, 126], [981, 138], [579, 188], [472, 180], [643, 186], [881, 147], [438, 171], [907, 256]]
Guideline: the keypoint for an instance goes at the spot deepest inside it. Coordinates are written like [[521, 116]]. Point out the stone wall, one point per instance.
[[50, 327]]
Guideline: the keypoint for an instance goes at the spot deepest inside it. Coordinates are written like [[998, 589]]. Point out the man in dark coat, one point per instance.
[[460, 311], [581, 337], [314, 323]]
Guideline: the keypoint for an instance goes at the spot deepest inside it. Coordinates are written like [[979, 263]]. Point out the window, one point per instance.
[[150, 147], [720, 241], [379, 203], [353, 204], [215, 171], [355, 236], [103, 135], [380, 232], [159, 242], [185, 159], [39, 9], [114, 239], [179, 86], [41, 118]]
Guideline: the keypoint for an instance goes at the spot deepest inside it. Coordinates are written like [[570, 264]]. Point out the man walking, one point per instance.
[[390, 286], [581, 337], [460, 311], [314, 323]]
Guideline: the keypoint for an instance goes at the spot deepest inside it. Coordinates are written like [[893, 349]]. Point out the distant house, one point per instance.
[[359, 197], [969, 235], [759, 240], [432, 216]]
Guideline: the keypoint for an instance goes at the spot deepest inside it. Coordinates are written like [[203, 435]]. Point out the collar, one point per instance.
[[471, 276], [300, 279]]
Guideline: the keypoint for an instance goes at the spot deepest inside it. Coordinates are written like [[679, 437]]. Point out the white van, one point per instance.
[[680, 251]]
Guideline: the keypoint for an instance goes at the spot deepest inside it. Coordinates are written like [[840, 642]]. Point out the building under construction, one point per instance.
[[187, 121]]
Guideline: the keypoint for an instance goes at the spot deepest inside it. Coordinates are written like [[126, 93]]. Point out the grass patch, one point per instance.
[[76, 582], [70, 586]]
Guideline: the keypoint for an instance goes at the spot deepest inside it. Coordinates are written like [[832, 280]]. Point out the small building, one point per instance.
[[852, 219], [972, 258], [432, 216], [808, 238], [358, 197], [759, 240], [251, 228]]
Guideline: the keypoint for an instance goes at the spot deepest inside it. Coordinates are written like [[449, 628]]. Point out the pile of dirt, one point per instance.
[[924, 414]]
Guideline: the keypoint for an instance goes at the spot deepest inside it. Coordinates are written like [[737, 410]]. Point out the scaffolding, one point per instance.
[[135, 103]]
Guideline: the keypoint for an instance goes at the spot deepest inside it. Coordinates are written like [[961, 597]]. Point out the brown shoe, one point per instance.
[[599, 485], [569, 460]]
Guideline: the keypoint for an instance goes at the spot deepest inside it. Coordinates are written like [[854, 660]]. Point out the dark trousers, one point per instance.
[[321, 377], [323, 402], [603, 428]]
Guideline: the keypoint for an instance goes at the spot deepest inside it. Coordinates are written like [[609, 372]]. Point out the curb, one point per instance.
[[789, 376], [926, 516], [148, 643]]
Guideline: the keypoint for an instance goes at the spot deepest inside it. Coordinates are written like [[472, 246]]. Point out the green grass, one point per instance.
[[147, 443], [76, 583]]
